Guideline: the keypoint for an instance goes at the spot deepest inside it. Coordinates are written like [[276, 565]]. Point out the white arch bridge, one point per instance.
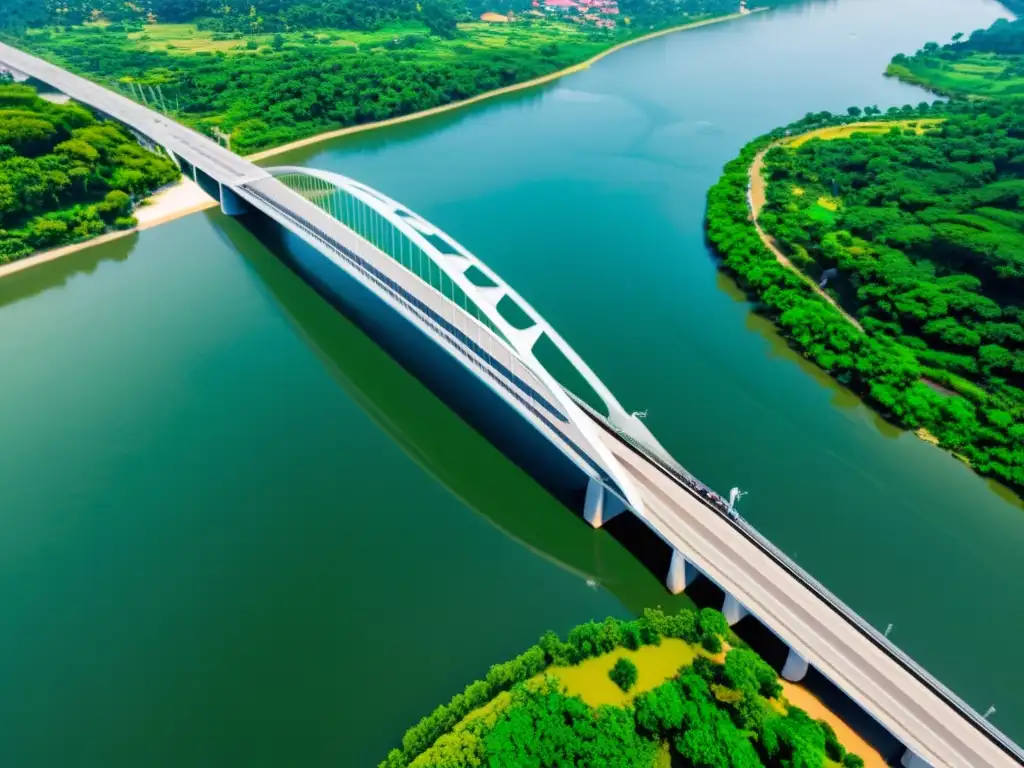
[[492, 357]]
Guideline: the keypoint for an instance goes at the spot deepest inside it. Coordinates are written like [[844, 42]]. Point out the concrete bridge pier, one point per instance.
[[681, 573], [230, 203], [732, 609], [600, 505], [796, 667], [910, 760]]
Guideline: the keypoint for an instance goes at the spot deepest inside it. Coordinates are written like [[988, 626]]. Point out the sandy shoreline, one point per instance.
[[264, 154], [186, 197]]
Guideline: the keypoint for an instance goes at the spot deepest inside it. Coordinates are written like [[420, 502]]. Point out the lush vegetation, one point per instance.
[[925, 234], [987, 64], [713, 714], [273, 71], [624, 674], [64, 176]]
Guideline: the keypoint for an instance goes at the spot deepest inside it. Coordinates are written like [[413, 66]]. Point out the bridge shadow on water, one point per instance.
[[436, 438], [625, 556]]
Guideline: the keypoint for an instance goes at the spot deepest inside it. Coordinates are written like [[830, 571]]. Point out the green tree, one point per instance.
[[623, 674]]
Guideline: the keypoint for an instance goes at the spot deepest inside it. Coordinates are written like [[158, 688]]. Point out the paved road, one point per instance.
[[200, 151], [910, 709]]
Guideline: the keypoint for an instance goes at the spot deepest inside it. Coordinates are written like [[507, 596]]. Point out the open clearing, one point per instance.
[[846, 131], [187, 39]]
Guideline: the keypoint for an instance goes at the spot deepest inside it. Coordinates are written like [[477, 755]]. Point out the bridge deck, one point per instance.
[[909, 708], [197, 149]]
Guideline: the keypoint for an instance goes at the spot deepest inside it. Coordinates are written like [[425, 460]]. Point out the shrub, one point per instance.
[[852, 761], [623, 674], [833, 749], [712, 622], [711, 643]]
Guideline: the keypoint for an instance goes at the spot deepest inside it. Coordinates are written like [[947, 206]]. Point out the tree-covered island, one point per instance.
[[672, 702]]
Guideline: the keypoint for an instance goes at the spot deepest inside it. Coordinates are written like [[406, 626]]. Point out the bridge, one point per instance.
[[486, 352]]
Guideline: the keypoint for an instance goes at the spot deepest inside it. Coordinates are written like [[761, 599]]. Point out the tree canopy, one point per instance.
[[709, 715], [919, 234], [64, 176]]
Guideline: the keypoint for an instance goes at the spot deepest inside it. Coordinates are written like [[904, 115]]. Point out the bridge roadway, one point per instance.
[[937, 728], [928, 719]]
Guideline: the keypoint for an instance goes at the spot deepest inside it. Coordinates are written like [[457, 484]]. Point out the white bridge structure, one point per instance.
[[486, 352]]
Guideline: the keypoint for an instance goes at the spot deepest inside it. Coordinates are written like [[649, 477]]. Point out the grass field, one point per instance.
[[846, 131], [186, 39], [654, 663], [978, 75]]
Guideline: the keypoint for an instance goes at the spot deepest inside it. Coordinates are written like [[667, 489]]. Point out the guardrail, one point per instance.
[[717, 504]]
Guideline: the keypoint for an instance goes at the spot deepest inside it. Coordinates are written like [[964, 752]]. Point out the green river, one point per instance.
[[235, 532]]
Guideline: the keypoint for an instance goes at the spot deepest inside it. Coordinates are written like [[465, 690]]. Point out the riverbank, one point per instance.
[[172, 202], [185, 197], [352, 129]]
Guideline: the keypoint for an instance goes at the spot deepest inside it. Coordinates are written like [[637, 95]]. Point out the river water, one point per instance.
[[234, 532]]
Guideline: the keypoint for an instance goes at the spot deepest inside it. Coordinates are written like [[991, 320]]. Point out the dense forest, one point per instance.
[[918, 233], [714, 713], [290, 16], [65, 176], [986, 64], [272, 71]]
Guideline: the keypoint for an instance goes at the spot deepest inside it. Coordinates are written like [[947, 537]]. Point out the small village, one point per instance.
[[598, 13]]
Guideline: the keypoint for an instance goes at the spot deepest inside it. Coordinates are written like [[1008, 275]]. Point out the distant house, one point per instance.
[[493, 18]]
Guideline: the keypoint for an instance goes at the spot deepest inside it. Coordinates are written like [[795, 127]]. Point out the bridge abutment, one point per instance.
[[796, 667], [681, 573], [600, 506], [732, 609]]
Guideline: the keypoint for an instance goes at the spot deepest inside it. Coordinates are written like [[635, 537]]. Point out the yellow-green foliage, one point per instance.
[[920, 125], [655, 664]]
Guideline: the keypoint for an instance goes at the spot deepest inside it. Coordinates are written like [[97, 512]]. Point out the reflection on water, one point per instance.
[[35, 280], [437, 440]]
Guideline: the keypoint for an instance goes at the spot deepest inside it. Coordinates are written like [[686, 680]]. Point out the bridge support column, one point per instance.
[[910, 760], [733, 610], [230, 203], [795, 668], [600, 505], [681, 573]]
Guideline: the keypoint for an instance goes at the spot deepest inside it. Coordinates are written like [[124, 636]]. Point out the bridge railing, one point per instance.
[[717, 504]]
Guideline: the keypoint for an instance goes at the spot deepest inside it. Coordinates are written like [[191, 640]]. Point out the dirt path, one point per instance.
[[756, 198]]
